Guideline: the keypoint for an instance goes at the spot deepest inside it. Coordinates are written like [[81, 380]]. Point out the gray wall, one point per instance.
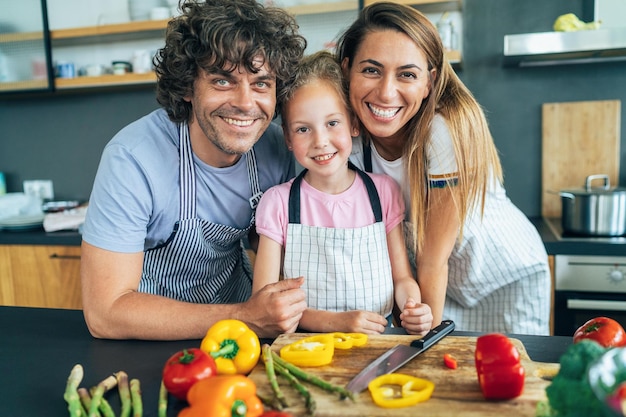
[[61, 136]]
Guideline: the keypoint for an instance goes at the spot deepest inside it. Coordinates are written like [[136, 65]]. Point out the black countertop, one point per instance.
[[39, 347], [39, 236]]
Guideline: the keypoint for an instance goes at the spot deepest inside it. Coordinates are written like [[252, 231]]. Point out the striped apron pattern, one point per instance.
[[201, 262], [494, 290], [344, 269]]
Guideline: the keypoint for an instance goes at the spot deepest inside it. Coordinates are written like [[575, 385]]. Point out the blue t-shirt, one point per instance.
[[135, 200]]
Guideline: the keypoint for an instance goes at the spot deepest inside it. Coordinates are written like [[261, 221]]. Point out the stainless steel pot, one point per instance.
[[594, 211]]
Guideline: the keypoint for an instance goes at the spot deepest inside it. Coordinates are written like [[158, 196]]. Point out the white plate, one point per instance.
[[22, 222]]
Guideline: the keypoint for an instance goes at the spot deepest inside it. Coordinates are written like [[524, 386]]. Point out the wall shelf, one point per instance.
[[332, 7], [108, 80], [129, 31]]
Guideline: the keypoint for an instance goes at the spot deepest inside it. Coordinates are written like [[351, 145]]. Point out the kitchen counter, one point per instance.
[[555, 245], [550, 232], [40, 347], [39, 236]]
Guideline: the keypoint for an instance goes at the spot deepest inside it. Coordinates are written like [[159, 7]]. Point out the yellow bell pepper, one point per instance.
[[399, 390], [349, 340], [223, 396], [234, 346], [315, 350]]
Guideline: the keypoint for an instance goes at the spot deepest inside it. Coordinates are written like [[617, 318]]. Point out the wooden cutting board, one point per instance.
[[579, 139], [456, 391]]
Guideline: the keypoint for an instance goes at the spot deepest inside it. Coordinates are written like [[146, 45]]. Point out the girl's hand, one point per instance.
[[358, 321], [416, 318]]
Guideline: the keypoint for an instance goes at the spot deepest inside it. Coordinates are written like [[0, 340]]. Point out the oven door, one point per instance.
[[572, 309]]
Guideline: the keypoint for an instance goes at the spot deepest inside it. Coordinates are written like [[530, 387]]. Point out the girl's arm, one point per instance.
[[355, 321], [268, 263], [442, 229]]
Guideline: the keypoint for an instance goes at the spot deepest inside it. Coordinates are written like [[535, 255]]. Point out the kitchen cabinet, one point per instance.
[[24, 55], [40, 276]]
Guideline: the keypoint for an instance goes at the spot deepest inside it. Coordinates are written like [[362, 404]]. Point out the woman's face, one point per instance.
[[388, 81]]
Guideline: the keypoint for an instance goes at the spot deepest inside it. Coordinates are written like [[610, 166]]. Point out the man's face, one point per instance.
[[231, 110]]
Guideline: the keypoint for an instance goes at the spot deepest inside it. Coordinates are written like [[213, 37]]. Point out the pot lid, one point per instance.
[[589, 189]]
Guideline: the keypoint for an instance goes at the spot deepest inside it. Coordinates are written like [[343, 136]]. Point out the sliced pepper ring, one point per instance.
[[315, 350], [399, 390], [349, 340]]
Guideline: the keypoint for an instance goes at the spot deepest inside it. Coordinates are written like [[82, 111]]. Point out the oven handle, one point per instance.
[[607, 305]]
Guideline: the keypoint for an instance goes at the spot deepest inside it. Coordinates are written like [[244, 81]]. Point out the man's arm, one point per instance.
[[114, 309]]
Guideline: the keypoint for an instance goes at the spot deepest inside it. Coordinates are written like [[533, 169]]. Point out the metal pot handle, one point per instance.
[[590, 178], [565, 194]]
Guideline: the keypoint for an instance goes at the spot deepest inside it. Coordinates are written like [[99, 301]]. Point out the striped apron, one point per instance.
[[201, 262], [344, 269]]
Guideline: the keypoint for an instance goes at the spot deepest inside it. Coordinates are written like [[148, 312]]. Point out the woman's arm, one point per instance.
[[415, 317], [441, 232]]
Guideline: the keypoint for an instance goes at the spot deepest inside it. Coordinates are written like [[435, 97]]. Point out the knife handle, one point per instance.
[[434, 335]]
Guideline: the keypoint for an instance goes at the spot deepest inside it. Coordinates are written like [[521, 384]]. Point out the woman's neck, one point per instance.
[[390, 148]]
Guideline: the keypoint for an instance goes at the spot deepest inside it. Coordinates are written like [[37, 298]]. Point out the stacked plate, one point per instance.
[[19, 211]]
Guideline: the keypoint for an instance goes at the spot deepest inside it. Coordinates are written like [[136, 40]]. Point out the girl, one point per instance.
[[335, 225]]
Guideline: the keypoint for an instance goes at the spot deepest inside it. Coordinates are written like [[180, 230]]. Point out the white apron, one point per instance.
[[201, 262], [344, 268]]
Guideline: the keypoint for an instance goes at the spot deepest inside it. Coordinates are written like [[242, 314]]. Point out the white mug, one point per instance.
[[142, 61]]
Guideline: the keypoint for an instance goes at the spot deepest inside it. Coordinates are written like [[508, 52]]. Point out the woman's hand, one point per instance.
[[416, 318]]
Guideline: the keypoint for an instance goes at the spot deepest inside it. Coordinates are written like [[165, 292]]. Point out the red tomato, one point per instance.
[[275, 414], [185, 368], [603, 330]]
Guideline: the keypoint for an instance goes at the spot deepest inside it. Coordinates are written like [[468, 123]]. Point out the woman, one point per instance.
[[478, 259]]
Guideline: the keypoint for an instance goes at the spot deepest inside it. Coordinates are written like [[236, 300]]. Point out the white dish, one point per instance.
[[22, 222]]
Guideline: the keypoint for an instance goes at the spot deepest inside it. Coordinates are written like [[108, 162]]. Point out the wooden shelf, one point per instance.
[[104, 30], [20, 37], [331, 7], [25, 85], [417, 2], [108, 80], [453, 56]]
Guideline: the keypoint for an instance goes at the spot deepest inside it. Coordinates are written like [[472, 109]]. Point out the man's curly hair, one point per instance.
[[223, 34]]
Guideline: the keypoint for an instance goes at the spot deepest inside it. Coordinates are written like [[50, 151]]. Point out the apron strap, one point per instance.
[[367, 156], [187, 174], [294, 195]]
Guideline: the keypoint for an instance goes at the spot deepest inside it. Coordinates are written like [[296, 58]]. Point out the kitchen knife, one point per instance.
[[398, 356]]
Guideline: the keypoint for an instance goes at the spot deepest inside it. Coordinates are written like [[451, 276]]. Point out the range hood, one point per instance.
[[558, 48]]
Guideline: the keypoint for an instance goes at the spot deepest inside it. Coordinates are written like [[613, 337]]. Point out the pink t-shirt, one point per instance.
[[349, 209]]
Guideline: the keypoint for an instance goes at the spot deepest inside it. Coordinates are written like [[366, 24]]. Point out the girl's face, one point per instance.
[[389, 79], [318, 129]]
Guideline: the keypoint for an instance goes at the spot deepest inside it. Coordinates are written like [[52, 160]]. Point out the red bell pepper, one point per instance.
[[500, 372]]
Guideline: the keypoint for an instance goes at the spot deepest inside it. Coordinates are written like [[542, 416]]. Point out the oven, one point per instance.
[[588, 287]]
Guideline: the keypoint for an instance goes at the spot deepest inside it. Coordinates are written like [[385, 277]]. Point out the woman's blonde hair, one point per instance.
[[476, 155]]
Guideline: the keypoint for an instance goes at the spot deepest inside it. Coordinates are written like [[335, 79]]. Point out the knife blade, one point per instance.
[[398, 356]]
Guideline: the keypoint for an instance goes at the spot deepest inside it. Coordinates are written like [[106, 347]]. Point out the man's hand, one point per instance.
[[276, 308]]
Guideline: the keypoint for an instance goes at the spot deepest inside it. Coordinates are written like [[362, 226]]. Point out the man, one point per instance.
[[176, 191]]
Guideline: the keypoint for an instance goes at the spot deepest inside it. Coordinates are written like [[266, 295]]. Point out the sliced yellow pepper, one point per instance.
[[399, 390], [315, 350], [234, 346], [349, 340]]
